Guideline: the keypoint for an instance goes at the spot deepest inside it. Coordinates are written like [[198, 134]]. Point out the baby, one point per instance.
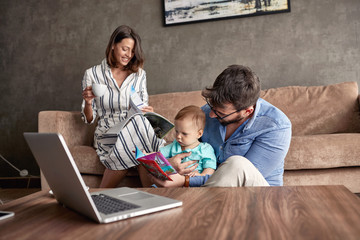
[[189, 127]]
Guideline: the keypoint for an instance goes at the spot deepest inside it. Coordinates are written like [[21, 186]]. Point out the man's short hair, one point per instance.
[[198, 116], [237, 84]]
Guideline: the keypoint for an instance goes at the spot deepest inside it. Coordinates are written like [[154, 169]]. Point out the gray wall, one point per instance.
[[45, 47]]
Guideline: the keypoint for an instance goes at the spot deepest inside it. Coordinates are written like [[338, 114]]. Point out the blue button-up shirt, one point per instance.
[[264, 140]]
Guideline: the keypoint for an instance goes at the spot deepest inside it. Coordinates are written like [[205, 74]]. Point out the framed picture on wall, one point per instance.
[[189, 11]]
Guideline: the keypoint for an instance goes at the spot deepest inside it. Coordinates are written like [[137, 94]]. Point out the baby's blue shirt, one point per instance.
[[204, 153]]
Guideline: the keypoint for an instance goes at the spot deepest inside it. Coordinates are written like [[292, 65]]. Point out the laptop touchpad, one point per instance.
[[135, 196]]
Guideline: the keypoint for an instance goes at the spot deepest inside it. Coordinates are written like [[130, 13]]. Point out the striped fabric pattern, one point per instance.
[[116, 152]]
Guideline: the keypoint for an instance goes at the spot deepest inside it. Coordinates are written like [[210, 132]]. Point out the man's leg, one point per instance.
[[236, 171]]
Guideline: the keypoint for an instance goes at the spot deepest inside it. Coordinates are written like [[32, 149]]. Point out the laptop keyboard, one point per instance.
[[108, 205]]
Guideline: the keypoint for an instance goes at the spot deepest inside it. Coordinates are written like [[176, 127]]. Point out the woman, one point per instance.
[[121, 71]]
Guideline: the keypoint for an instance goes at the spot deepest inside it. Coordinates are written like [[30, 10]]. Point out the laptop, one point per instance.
[[69, 189]]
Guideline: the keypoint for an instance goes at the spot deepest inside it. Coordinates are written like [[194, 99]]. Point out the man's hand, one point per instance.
[[181, 168], [177, 181]]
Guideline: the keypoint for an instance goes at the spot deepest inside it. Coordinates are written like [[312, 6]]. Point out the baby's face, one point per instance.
[[187, 133]]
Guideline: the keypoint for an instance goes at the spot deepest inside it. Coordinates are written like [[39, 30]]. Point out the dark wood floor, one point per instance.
[[12, 188], [9, 194]]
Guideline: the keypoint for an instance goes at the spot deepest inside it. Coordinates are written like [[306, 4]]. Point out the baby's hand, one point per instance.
[[194, 173]]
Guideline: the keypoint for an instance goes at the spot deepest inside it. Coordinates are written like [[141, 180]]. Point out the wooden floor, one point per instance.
[[12, 188], [9, 194]]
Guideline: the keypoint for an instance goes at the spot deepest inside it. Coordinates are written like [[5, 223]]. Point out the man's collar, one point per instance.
[[255, 113]]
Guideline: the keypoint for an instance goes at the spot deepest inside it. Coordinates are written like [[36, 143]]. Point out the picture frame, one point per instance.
[[190, 11]]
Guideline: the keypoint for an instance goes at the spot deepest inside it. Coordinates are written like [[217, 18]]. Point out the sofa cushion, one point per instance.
[[87, 160], [318, 109], [323, 151], [168, 104], [69, 124]]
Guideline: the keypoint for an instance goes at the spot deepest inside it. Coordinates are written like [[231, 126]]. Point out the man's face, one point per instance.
[[227, 114]]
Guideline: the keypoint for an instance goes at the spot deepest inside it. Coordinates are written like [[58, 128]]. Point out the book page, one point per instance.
[[159, 123]]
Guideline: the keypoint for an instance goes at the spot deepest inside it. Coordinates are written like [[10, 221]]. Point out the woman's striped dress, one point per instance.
[[116, 152]]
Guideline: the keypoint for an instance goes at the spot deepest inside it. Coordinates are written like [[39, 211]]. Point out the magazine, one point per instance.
[[156, 164], [160, 124]]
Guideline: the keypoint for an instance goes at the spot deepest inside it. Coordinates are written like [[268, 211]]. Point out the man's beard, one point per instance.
[[236, 120]]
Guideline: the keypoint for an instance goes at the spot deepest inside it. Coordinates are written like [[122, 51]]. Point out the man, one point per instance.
[[250, 136]]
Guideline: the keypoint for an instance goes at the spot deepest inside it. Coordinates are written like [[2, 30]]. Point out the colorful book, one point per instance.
[[156, 164]]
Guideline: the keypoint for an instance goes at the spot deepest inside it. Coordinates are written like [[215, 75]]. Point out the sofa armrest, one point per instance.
[[69, 124]]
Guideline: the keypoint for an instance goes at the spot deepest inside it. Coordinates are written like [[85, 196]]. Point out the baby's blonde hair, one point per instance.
[[198, 116]]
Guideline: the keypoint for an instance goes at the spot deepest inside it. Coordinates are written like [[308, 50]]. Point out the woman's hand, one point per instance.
[[88, 95], [183, 168], [147, 109], [177, 181]]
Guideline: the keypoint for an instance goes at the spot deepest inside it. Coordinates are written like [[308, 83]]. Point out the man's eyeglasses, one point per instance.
[[217, 114]]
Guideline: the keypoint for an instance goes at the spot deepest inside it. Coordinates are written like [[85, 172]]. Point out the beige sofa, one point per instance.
[[325, 146]]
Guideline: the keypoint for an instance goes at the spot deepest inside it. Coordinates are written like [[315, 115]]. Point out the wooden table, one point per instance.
[[306, 212]]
